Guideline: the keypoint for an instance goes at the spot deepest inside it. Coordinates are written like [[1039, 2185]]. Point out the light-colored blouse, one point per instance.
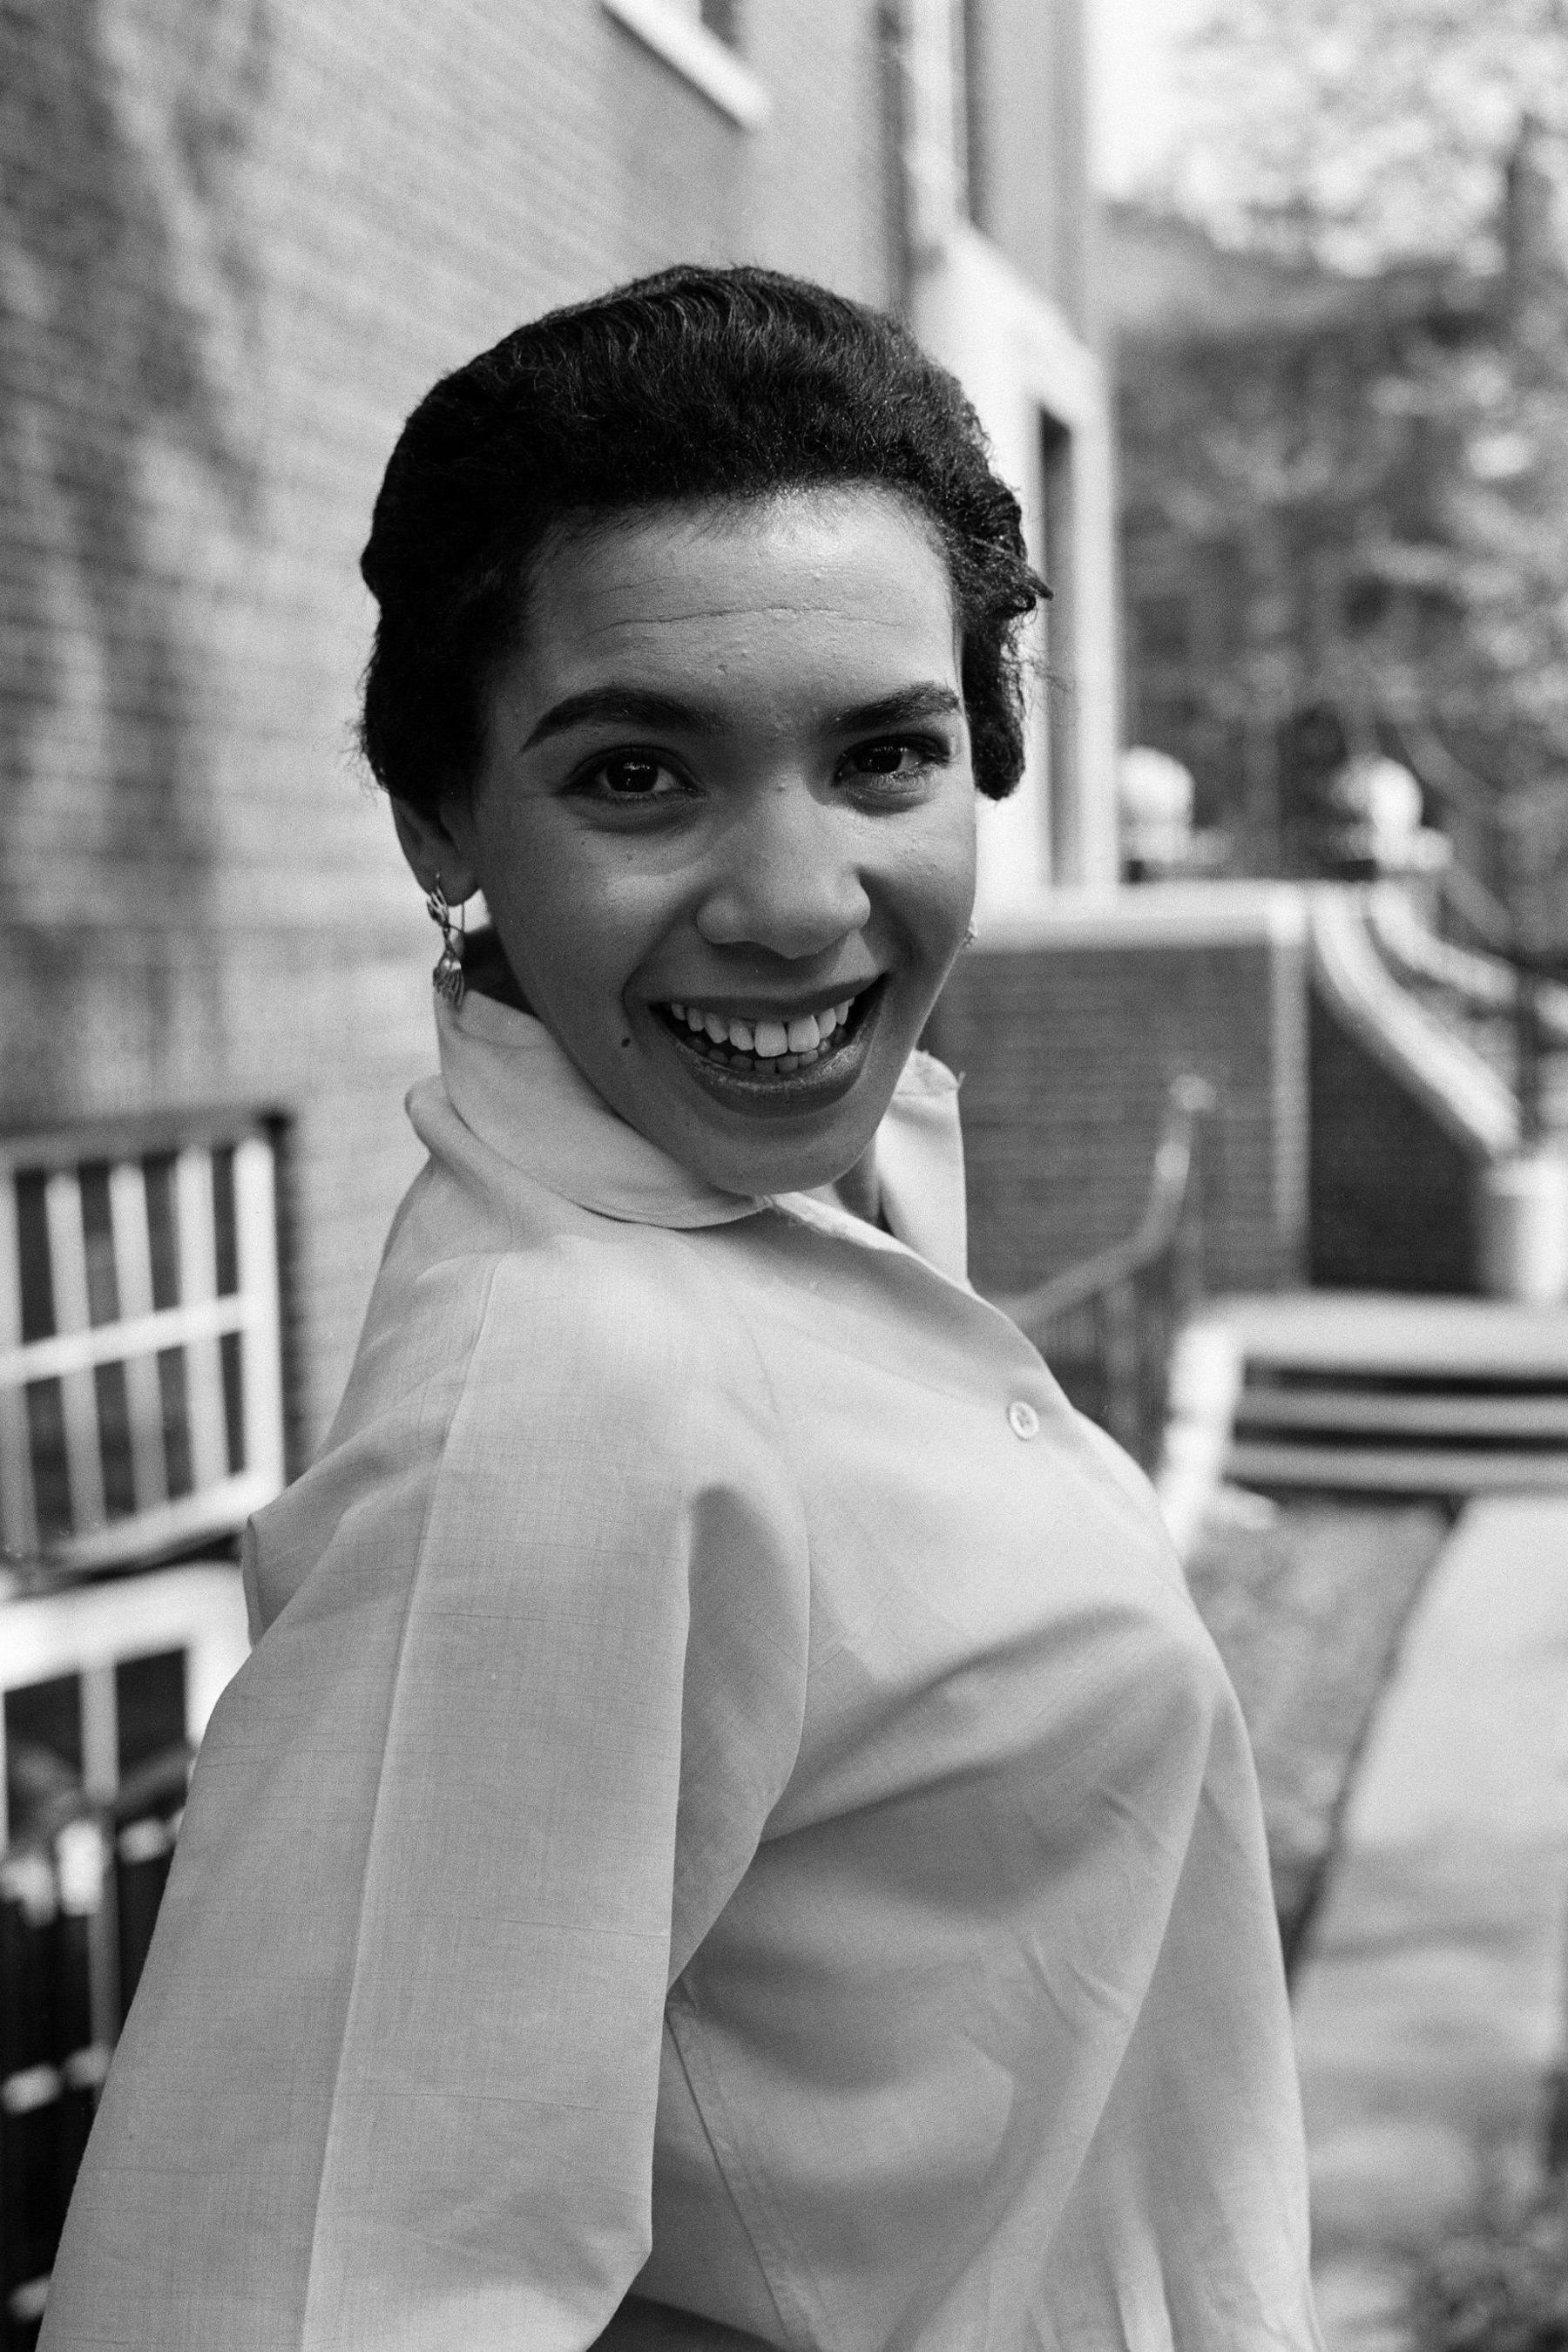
[[731, 1811]]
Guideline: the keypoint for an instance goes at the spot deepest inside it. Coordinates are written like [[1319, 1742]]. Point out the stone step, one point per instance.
[[1397, 1335], [1363, 1392], [1418, 1413], [1394, 1469]]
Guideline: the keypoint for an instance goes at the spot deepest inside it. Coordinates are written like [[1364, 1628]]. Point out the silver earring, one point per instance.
[[448, 976]]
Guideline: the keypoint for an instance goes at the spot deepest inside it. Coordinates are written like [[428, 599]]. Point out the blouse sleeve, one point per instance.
[[484, 1783]]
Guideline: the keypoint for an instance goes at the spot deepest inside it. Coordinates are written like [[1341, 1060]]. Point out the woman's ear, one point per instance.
[[431, 849]]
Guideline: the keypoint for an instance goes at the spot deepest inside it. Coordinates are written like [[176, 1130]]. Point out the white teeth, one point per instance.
[[769, 1040]]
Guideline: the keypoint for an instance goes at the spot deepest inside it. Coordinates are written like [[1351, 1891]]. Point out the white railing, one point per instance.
[[140, 1408]]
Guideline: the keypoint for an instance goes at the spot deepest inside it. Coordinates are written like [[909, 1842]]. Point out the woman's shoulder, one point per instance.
[[582, 1382], [569, 1333]]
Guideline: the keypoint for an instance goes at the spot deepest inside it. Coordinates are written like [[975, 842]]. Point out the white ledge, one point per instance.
[[698, 55], [1149, 915]]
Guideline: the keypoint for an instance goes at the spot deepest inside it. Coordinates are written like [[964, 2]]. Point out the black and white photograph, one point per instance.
[[784, 1175]]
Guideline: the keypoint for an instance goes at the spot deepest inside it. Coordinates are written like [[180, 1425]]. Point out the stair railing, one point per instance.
[[1108, 1327]]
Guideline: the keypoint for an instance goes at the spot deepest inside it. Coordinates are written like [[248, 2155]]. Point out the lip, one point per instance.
[[789, 1094]]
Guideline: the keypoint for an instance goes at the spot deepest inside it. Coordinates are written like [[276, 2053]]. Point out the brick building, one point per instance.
[[242, 237]]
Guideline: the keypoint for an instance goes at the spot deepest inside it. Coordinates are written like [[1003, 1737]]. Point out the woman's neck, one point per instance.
[[859, 1190]]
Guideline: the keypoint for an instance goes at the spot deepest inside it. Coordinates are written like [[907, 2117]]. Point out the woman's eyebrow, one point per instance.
[[624, 705], [631, 706], [906, 708]]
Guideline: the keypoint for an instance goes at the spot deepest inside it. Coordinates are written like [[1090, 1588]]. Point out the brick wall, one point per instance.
[[242, 240], [1393, 1192], [1068, 1033]]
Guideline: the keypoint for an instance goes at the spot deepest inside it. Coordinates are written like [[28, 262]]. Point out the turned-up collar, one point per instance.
[[507, 1081]]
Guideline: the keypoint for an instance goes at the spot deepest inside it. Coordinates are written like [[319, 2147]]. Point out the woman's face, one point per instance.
[[725, 821]]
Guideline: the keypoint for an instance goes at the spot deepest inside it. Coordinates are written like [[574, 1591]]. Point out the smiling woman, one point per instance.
[[731, 1832], [726, 767]]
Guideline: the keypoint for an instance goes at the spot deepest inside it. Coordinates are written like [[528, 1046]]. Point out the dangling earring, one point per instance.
[[448, 976]]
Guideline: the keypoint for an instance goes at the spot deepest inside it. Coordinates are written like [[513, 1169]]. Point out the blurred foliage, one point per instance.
[[1356, 133], [1372, 484], [1500, 2286]]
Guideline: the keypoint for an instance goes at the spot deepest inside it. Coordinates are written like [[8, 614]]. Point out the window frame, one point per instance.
[[698, 55]]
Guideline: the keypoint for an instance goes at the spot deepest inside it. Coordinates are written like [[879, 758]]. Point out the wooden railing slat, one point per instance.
[[19, 1522], [133, 1272], [256, 1232], [78, 1392], [197, 1249]]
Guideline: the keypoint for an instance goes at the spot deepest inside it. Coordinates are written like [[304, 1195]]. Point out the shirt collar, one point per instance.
[[521, 1095]]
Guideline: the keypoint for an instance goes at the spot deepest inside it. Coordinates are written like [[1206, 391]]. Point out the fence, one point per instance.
[[140, 1402], [1107, 1327]]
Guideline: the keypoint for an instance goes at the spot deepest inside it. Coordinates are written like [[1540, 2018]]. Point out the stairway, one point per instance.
[[1369, 1392], [1472, 995]]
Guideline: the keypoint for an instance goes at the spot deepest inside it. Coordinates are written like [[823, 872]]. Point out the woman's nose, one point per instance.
[[787, 879]]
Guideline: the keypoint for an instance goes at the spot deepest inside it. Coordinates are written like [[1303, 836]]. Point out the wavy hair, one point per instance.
[[692, 386]]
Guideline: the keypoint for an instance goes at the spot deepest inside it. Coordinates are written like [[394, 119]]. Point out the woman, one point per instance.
[[731, 1832]]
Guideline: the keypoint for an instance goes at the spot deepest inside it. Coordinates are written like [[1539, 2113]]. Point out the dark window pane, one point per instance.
[[233, 1397], [43, 1749], [151, 1695], [176, 1419], [227, 1250], [102, 1283], [32, 1244], [162, 1236], [114, 1438], [47, 1434]]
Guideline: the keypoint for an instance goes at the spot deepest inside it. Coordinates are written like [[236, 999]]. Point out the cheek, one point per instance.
[[940, 874]]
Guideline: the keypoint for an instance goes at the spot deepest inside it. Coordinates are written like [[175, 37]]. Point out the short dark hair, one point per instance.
[[693, 386]]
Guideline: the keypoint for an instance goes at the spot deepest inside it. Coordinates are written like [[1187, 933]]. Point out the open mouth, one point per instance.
[[768, 1048], [814, 1053]]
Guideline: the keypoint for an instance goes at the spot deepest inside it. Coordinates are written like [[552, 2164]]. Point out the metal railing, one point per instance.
[[105, 1691], [79, 1897], [1107, 1327]]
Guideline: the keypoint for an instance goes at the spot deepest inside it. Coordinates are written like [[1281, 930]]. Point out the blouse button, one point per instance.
[[1024, 1421]]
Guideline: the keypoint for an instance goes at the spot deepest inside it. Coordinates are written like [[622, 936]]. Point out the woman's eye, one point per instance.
[[633, 777], [892, 760]]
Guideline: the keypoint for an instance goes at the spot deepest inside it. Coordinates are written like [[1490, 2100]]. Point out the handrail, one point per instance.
[[1467, 1099], [1108, 1327], [159, 1782], [1484, 983], [1190, 1100]]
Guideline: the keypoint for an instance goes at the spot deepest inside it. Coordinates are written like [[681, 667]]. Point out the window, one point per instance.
[[140, 1392], [700, 39]]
